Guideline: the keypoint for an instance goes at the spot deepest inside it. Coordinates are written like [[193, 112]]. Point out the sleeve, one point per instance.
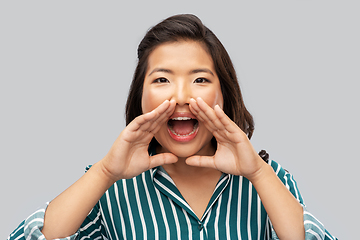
[[30, 229], [91, 228], [314, 229]]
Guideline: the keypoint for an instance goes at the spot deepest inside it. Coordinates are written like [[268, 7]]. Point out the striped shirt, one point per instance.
[[150, 206]]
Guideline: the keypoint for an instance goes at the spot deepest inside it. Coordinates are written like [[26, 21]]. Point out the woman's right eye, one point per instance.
[[160, 80]]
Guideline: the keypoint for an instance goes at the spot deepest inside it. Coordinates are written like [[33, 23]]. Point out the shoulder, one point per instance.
[[287, 179], [278, 169]]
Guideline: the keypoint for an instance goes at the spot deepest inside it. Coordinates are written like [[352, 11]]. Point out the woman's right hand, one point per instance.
[[129, 157]]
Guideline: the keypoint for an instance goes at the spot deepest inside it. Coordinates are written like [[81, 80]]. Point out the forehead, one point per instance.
[[180, 55]]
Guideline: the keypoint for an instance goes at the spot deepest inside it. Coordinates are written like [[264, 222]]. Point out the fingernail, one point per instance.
[[217, 105]]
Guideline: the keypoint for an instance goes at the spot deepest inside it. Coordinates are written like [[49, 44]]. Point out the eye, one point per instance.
[[201, 80], [160, 80]]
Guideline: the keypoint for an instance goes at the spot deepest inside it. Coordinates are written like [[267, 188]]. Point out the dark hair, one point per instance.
[[190, 27]]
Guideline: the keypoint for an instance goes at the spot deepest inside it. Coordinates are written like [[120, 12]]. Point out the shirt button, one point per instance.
[[200, 226]]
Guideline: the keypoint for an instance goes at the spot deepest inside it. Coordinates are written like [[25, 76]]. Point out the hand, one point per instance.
[[128, 157], [234, 154]]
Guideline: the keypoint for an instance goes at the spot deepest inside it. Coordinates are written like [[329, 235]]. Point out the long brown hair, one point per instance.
[[190, 27]]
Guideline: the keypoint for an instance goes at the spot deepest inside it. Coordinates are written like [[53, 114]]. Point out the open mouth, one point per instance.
[[182, 127]]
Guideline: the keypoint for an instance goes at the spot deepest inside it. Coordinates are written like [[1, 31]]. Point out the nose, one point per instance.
[[182, 93]]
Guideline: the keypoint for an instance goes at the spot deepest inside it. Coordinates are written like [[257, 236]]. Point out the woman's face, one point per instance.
[[180, 71]]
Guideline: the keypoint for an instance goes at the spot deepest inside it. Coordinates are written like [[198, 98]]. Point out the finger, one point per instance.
[[209, 116], [199, 111], [157, 112], [225, 127], [194, 108], [229, 125], [201, 161], [200, 115], [144, 122], [162, 119], [162, 158]]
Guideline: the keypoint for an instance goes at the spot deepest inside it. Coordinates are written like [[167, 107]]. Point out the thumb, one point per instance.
[[162, 158], [201, 161]]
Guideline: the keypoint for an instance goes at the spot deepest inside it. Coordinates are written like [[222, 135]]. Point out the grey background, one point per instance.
[[65, 69]]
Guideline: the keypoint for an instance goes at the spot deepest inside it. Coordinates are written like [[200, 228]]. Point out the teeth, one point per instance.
[[192, 132], [181, 118]]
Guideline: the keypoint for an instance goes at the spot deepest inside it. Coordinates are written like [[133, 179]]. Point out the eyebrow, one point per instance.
[[201, 70], [198, 70], [160, 70]]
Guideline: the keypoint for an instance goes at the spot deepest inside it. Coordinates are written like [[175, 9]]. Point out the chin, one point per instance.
[[188, 149], [184, 153]]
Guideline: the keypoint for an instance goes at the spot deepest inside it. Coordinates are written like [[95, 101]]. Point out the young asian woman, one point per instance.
[[184, 166]]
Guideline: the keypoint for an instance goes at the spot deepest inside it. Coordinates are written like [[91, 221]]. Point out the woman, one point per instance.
[[184, 167]]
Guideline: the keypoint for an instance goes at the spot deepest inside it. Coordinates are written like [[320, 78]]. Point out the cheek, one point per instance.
[[147, 102], [151, 100], [212, 98]]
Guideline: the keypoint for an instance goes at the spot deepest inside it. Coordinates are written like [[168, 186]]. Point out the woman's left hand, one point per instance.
[[235, 154]]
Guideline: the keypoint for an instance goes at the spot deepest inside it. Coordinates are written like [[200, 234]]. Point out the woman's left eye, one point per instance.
[[160, 80], [201, 80]]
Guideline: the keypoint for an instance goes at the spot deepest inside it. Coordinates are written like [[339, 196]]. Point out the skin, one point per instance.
[[171, 85], [178, 72]]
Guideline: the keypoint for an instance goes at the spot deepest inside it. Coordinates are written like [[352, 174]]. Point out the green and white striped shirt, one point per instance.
[[150, 206]]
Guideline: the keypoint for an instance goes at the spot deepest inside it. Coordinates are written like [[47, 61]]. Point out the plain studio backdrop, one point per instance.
[[66, 67]]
